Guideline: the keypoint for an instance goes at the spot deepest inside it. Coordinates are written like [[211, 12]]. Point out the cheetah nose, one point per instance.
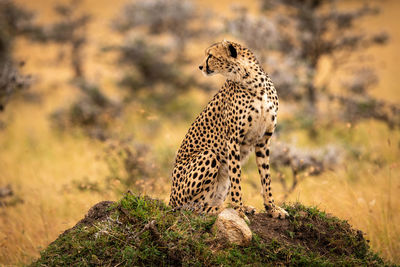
[[200, 67]]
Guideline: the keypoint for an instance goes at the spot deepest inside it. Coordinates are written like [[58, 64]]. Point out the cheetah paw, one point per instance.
[[249, 210], [278, 213]]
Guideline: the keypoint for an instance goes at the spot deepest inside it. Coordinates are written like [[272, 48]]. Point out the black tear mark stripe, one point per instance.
[[207, 68]]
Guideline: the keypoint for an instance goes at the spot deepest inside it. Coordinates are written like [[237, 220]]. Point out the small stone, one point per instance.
[[230, 226]]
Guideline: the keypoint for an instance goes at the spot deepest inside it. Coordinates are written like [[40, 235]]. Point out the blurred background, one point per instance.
[[96, 96]]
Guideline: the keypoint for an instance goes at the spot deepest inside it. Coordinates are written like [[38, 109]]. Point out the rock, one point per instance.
[[230, 226]]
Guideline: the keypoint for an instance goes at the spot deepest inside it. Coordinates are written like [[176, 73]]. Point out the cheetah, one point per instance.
[[240, 118]]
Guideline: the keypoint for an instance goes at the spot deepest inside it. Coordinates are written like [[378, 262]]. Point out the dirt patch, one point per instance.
[[97, 213], [323, 235], [269, 228]]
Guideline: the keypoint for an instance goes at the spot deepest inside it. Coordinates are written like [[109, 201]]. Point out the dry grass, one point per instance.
[[42, 164], [364, 190]]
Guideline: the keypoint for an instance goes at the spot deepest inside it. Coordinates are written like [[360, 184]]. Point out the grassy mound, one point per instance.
[[143, 231]]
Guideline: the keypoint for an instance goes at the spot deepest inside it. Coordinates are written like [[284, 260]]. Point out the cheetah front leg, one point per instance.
[[262, 159], [234, 171]]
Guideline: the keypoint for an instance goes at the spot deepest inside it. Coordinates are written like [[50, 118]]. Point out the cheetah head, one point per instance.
[[227, 58]]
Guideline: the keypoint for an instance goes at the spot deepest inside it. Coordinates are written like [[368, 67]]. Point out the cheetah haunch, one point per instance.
[[240, 117]]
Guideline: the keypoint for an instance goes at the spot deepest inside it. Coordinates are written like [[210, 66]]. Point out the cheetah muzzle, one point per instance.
[[239, 119]]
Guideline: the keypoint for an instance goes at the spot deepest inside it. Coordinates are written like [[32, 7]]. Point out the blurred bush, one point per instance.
[[14, 21], [130, 166], [150, 67], [302, 163], [93, 112], [69, 30], [173, 17], [154, 49]]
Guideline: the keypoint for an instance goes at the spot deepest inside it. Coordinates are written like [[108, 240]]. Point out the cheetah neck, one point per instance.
[[255, 80]]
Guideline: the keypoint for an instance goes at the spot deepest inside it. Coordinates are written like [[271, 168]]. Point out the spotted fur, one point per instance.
[[240, 118]]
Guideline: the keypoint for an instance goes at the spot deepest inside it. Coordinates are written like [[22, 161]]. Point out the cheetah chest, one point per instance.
[[263, 119]]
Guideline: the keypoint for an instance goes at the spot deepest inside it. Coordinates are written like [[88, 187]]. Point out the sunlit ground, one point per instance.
[[43, 165]]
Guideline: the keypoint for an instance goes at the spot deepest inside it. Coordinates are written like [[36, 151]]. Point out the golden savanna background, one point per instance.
[[113, 87]]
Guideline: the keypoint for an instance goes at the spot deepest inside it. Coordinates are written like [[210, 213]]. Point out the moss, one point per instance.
[[140, 231]]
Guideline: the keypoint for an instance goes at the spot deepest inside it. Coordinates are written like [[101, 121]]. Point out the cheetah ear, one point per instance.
[[230, 48]]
